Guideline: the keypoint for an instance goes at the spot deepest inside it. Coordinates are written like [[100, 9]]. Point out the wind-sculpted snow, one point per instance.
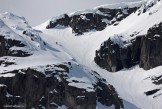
[[36, 74], [18, 35], [60, 72], [131, 82]]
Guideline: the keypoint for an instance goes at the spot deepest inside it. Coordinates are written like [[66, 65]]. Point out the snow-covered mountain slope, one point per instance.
[[59, 71], [93, 19], [131, 84], [46, 70], [21, 38]]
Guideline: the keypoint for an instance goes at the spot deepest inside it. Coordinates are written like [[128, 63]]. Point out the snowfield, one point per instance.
[[63, 46], [129, 83]]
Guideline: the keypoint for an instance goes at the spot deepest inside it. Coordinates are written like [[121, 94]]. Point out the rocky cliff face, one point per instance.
[[143, 50], [42, 85], [31, 88], [113, 57], [6, 47], [56, 22], [151, 48], [96, 19]]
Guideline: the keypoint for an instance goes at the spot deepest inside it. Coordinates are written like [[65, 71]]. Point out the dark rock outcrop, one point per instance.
[[146, 7], [62, 20], [113, 57], [6, 44], [87, 21], [49, 88], [144, 50], [151, 48], [151, 92], [108, 96], [79, 98], [157, 80]]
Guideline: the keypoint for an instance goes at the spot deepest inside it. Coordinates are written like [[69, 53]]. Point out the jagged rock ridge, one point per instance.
[[96, 19]]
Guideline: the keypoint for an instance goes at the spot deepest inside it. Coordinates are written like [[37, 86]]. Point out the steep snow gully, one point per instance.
[[74, 39]]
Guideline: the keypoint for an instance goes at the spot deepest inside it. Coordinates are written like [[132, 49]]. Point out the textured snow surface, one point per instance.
[[123, 6], [100, 106], [62, 107], [129, 83], [63, 46]]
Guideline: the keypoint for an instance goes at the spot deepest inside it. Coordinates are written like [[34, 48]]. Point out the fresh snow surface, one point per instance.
[[42, 56], [86, 80], [62, 107], [13, 27], [122, 5], [58, 17], [129, 83], [2, 85], [63, 46], [100, 106]]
